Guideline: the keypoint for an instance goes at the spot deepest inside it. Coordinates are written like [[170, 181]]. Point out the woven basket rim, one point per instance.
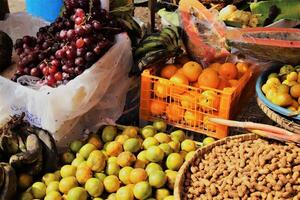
[[178, 187]]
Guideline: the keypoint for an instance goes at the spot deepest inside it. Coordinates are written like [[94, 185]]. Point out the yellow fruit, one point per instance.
[[149, 142], [138, 175], [114, 148], [142, 190], [153, 167], [168, 71], [125, 193], [188, 100], [86, 150], [148, 131], [154, 154], [273, 81], [271, 93], [77, 193], [209, 100], [242, 68], [178, 135], [53, 186], [132, 144], [112, 168], [124, 175], [175, 146], [208, 125], [188, 145], [298, 79], [275, 75], [140, 164], [192, 70], [291, 108], [68, 170], [121, 138], [112, 159], [174, 161], [38, 190], [174, 112], [112, 196], [54, 195], [161, 194], [189, 155], [171, 175], [162, 137], [111, 183], [282, 99], [295, 104], [109, 133], [157, 179], [66, 184], [193, 118], [143, 156], [183, 154], [290, 83], [130, 131], [295, 91], [100, 176], [126, 158], [83, 174], [77, 161], [162, 88], [180, 81], [166, 148], [293, 76], [96, 161], [282, 88], [94, 187], [95, 140]]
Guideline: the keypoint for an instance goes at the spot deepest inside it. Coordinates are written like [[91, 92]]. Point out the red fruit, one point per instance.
[[79, 43], [52, 69], [58, 76], [50, 80], [55, 62], [79, 12], [46, 71], [35, 72], [78, 20]]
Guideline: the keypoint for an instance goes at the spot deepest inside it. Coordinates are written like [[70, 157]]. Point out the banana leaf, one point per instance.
[[289, 9]]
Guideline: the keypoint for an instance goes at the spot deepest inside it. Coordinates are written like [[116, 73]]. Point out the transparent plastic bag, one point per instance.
[[95, 97]]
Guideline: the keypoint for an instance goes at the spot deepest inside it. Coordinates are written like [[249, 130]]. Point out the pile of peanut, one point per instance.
[[256, 169]]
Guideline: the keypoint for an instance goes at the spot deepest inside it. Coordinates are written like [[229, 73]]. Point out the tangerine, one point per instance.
[[192, 70], [215, 66], [168, 71], [157, 107], [233, 82], [228, 71], [174, 112], [223, 83], [209, 78], [179, 79], [295, 91], [242, 68]]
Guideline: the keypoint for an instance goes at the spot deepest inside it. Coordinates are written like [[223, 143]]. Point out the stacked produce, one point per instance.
[[25, 153], [132, 164], [255, 169], [283, 88], [65, 48]]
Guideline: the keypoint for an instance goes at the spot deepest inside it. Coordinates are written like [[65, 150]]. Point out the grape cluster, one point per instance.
[[65, 48]]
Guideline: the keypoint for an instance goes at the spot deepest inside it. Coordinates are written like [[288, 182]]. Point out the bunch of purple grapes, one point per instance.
[[64, 49]]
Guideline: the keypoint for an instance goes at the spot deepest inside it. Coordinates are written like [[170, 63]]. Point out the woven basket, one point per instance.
[[179, 184], [280, 120]]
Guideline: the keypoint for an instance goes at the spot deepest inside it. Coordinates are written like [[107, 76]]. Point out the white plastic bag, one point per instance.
[[95, 97]]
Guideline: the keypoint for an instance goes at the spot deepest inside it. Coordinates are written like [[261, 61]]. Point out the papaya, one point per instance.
[[205, 35], [267, 44]]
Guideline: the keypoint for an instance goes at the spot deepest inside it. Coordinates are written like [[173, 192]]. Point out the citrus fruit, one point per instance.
[[77, 193], [126, 158], [168, 71], [121, 138], [161, 88], [157, 179], [157, 107], [101, 176], [166, 148], [188, 101], [111, 183], [162, 137], [77, 161], [75, 146], [208, 124], [138, 175], [124, 175], [67, 184], [282, 99], [112, 168], [180, 81], [160, 125], [130, 131], [193, 118], [233, 83], [215, 66], [24, 181], [183, 153], [53, 195], [125, 193], [67, 170], [171, 175], [109, 133], [53, 186], [96, 160], [149, 142], [282, 88], [174, 161], [95, 140], [209, 100], [83, 174], [86, 150], [154, 154], [140, 164], [152, 167], [189, 155], [188, 145], [67, 157], [114, 148], [174, 112], [94, 187], [38, 190], [132, 145], [295, 91], [293, 76], [242, 68], [178, 135], [148, 131], [142, 156], [142, 190], [174, 145], [161, 194], [224, 83], [209, 78], [208, 140], [228, 71], [192, 70]]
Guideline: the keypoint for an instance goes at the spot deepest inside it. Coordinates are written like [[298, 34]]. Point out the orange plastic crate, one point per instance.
[[225, 102]]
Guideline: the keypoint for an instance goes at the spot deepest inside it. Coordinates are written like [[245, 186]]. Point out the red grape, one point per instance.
[[79, 30], [79, 12], [35, 72], [63, 34], [80, 52], [45, 71], [55, 62], [70, 54], [79, 20], [79, 43], [79, 61], [42, 65], [71, 34], [97, 25], [89, 56], [26, 70], [50, 80], [58, 76], [52, 69]]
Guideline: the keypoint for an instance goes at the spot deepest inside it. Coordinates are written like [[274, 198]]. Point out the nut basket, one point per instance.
[[227, 98], [179, 184]]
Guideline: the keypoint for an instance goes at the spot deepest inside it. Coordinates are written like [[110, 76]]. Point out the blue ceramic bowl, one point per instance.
[[259, 83]]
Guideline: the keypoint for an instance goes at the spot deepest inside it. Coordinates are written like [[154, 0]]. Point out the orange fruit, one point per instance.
[[215, 66], [157, 107], [242, 68], [182, 59], [174, 112], [295, 91], [168, 71], [188, 100], [208, 125], [209, 78], [233, 82], [161, 88], [180, 80], [228, 71], [223, 83], [209, 100], [192, 118], [192, 70]]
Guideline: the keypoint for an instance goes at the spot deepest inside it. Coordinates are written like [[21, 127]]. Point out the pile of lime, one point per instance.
[[124, 163]]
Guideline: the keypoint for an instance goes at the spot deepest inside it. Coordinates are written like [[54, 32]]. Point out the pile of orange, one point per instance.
[[193, 104]]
